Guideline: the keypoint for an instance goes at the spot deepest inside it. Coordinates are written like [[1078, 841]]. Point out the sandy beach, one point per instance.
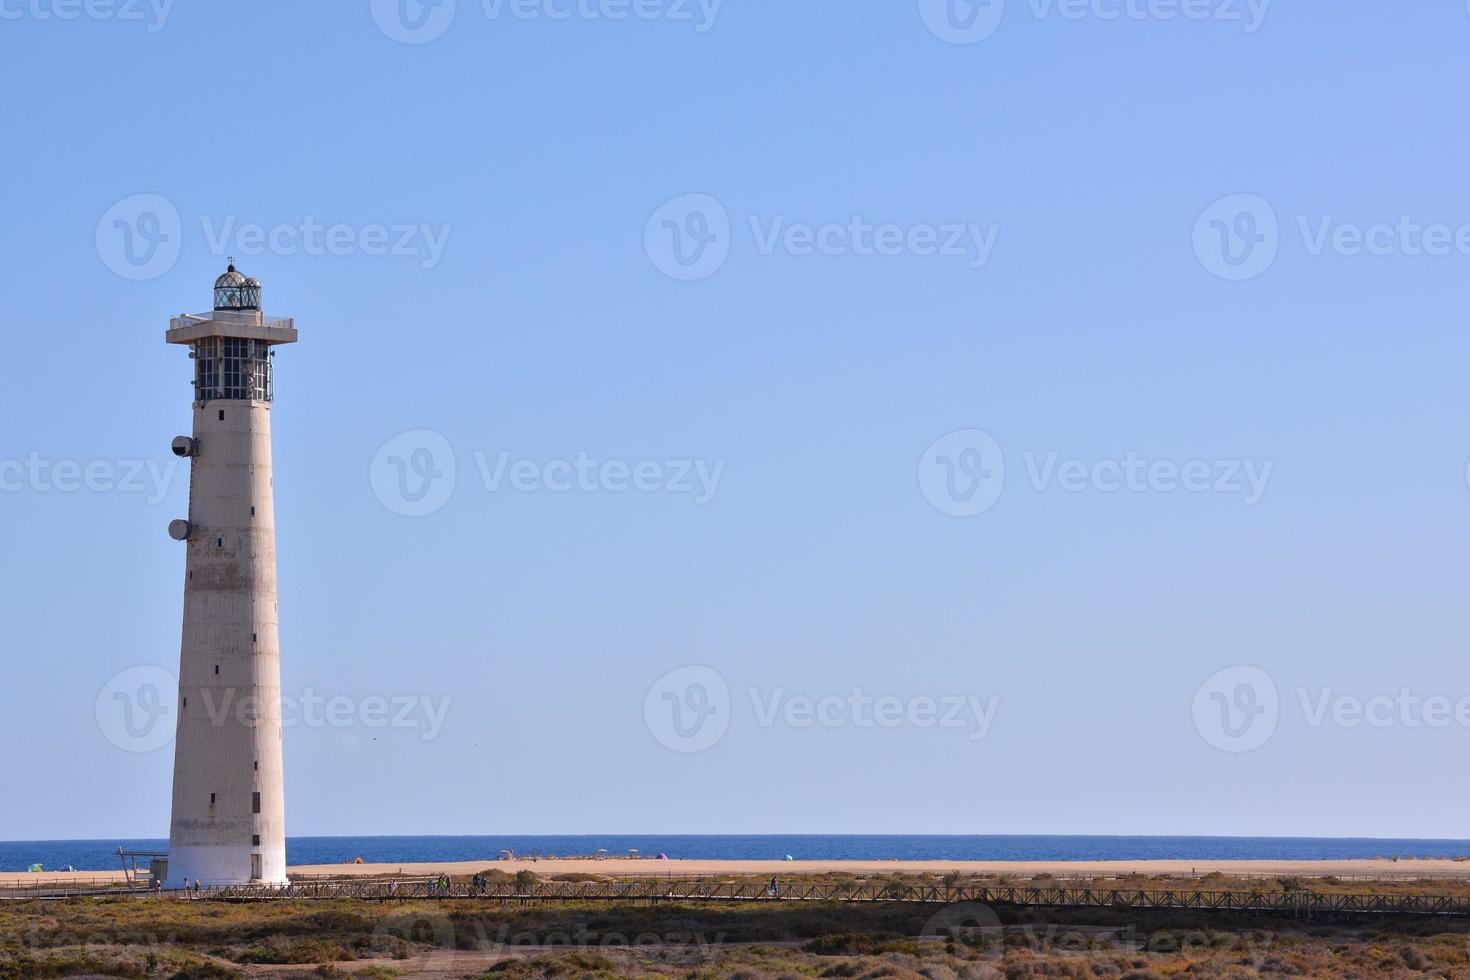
[[1366, 869], [704, 868]]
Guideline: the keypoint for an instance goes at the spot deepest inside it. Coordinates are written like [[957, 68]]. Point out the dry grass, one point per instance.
[[165, 939]]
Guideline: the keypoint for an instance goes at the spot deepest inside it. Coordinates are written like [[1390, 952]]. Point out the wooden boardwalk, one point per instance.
[[1305, 903]]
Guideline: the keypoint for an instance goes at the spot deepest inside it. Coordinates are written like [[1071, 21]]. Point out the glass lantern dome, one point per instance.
[[235, 291]]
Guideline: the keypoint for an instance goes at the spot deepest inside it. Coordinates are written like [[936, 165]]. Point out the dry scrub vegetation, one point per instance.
[[147, 938]]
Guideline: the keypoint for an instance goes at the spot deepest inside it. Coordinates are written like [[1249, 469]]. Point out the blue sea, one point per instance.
[[101, 855]]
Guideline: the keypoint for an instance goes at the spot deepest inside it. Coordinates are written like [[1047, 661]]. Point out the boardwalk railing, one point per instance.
[[69, 889]]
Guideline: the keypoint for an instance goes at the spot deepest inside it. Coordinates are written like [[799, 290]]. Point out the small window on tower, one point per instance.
[[219, 542], [255, 803], [211, 799], [252, 512], [216, 670], [221, 415], [255, 840]]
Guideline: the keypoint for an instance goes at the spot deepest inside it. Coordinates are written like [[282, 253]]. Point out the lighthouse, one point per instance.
[[229, 810]]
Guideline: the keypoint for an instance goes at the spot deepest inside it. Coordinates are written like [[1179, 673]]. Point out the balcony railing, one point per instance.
[[245, 318]]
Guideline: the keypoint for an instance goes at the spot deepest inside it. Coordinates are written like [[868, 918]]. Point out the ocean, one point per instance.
[[101, 855]]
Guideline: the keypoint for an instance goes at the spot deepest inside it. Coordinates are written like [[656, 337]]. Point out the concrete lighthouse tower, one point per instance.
[[229, 808]]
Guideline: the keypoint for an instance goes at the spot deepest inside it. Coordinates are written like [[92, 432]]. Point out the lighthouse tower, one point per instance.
[[229, 808]]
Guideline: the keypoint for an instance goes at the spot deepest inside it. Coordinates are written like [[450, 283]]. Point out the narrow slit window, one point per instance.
[[211, 799], [221, 415], [216, 670], [254, 802]]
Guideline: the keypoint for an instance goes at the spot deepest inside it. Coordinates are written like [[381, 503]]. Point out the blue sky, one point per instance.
[[605, 375]]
